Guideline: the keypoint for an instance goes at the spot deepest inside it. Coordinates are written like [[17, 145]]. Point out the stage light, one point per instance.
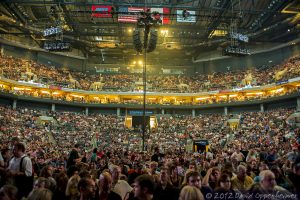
[[140, 62], [134, 62], [129, 30]]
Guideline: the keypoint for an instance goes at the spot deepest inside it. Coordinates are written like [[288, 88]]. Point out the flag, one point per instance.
[[129, 14]]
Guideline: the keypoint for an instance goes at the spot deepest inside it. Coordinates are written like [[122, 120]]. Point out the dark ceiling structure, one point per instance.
[[267, 21]]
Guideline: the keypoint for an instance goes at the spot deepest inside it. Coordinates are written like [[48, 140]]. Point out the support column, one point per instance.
[[14, 104], [162, 111], [53, 107], [226, 110], [262, 108], [193, 113], [298, 103], [86, 111], [118, 111]]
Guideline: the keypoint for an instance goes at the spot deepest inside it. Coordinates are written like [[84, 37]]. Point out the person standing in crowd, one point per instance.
[[241, 181], [105, 186], [20, 170], [8, 192], [238, 155], [193, 178], [40, 194], [72, 192], [175, 178], [294, 177], [190, 193], [73, 156], [144, 187], [268, 186], [224, 187], [164, 189], [137, 171], [87, 189], [153, 171], [157, 156], [211, 178], [120, 187]]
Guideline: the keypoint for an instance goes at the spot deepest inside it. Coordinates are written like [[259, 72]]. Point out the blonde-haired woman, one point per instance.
[[190, 193], [72, 192], [40, 194]]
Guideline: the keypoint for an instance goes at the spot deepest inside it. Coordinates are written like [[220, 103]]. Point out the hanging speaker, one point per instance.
[[152, 41], [137, 43]]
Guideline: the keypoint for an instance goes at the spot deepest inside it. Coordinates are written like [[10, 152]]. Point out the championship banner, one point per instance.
[[101, 11], [186, 16]]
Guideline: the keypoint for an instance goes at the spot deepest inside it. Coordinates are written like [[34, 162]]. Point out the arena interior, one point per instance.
[[148, 99]]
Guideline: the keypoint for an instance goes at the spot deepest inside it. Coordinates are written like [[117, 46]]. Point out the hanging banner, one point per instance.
[[186, 16], [164, 14], [101, 11], [131, 14]]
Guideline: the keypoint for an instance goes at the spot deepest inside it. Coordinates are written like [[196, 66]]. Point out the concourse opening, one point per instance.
[[136, 122]]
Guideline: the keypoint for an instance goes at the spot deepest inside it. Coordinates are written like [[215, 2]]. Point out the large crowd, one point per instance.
[[63, 155], [28, 70]]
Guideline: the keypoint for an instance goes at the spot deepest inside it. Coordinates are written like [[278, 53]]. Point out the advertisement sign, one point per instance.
[[101, 11]]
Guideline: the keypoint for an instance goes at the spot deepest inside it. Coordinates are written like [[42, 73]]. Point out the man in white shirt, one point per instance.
[[120, 187], [20, 170]]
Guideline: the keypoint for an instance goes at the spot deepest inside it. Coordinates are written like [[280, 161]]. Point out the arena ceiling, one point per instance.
[[264, 21]]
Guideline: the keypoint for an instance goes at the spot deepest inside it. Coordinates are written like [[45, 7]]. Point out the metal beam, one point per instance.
[[167, 5]]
